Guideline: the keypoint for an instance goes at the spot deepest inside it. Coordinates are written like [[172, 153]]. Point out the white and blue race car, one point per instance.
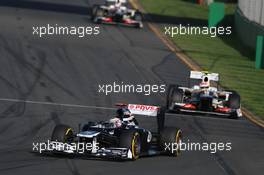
[[120, 137]]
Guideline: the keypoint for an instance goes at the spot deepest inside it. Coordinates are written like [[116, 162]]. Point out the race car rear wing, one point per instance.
[[147, 110], [143, 109], [201, 75]]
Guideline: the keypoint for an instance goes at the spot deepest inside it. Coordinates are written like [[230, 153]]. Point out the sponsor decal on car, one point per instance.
[[143, 109]]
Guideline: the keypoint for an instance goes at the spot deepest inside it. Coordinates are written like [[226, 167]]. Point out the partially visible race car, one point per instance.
[[204, 98], [119, 138], [115, 12]]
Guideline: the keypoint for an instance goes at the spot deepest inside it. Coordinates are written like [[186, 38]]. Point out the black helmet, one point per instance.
[[120, 113], [123, 113]]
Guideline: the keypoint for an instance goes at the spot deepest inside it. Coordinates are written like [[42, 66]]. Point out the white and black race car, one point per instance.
[[115, 12], [119, 138], [204, 98]]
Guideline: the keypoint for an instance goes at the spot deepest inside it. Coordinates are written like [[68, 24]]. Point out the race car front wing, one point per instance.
[[108, 20], [72, 149], [181, 107]]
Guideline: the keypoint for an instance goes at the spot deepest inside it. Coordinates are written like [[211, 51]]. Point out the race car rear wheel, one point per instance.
[[62, 133], [234, 103], [170, 141], [131, 140], [174, 95], [93, 12], [98, 13], [138, 16], [169, 94], [234, 100]]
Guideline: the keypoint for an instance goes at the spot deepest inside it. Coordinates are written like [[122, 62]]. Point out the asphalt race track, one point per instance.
[[62, 69]]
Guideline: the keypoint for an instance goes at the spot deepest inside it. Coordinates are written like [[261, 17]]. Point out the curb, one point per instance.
[[185, 59]]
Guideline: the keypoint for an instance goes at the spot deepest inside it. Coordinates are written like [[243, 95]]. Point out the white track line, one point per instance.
[[55, 104]]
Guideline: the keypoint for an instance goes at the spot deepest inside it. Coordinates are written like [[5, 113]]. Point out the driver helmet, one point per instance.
[[205, 82], [123, 113]]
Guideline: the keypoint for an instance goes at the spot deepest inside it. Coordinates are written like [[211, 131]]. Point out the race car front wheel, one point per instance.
[[170, 141], [62, 133], [99, 13], [131, 140], [174, 95], [234, 103], [138, 16], [234, 100], [93, 11]]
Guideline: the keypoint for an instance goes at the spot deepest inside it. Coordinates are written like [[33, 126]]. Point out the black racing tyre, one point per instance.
[[234, 103], [62, 133], [131, 139], [169, 94], [93, 11], [174, 95], [138, 16], [161, 118], [234, 100], [98, 13], [173, 137]]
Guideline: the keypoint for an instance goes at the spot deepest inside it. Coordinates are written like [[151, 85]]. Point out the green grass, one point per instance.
[[225, 55]]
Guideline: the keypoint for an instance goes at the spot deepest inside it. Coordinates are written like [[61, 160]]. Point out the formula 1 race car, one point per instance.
[[114, 12], [204, 98], [119, 138]]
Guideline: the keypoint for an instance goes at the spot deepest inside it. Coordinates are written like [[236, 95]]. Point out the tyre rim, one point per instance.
[[68, 135], [178, 141], [136, 146]]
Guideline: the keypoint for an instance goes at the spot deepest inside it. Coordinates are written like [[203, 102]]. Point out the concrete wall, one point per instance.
[[253, 10], [249, 21]]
